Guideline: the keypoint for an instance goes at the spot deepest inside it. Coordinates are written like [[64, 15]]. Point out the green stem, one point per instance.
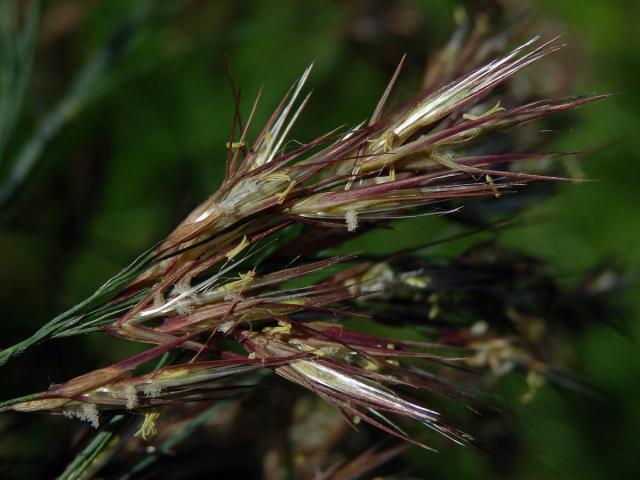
[[96, 452], [60, 323]]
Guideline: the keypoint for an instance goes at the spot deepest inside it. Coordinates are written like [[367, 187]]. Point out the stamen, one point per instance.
[[235, 145], [244, 243], [148, 427], [493, 187], [495, 109], [282, 196]]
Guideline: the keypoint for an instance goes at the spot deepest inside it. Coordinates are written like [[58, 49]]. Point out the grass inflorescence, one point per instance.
[[247, 283]]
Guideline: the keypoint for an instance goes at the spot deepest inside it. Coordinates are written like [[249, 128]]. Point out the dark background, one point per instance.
[[148, 144]]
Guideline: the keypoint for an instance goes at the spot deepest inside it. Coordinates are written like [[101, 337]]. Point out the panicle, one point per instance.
[[242, 286]]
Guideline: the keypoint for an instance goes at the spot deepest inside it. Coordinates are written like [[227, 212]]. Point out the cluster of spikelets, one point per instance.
[[240, 285]]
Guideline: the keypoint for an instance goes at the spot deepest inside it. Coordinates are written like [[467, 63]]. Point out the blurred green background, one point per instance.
[[147, 144]]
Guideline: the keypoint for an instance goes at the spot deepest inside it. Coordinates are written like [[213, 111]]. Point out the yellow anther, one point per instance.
[[369, 365], [492, 185], [389, 139], [234, 145], [535, 380], [495, 109], [282, 328], [276, 176], [244, 243], [385, 141], [417, 282], [148, 428], [243, 282], [293, 301], [172, 373], [434, 310], [322, 351], [282, 196]]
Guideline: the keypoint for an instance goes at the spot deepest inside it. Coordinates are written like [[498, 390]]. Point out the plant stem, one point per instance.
[[95, 454]]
